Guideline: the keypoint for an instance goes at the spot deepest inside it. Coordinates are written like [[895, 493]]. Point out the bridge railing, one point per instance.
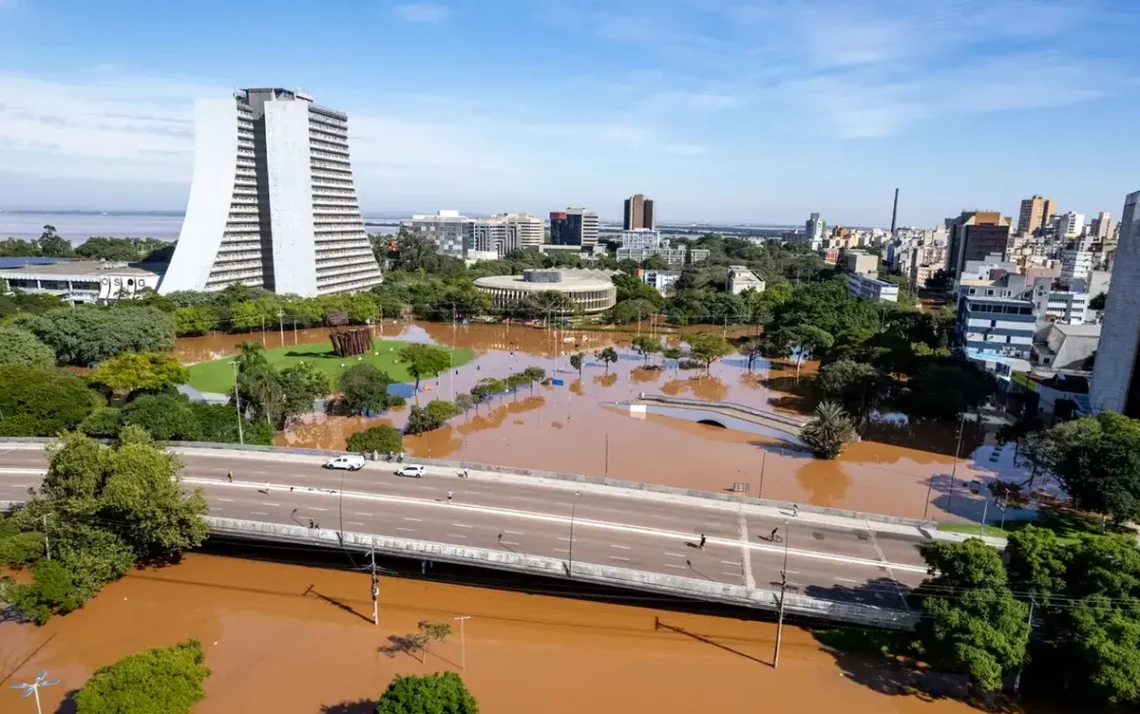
[[627, 578], [762, 413]]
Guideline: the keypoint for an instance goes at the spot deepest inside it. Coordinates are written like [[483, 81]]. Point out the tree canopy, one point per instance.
[[384, 439], [427, 694], [41, 402], [23, 348], [164, 680], [829, 432], [130, 371], [83, 335], [425, 360], [364, 388]]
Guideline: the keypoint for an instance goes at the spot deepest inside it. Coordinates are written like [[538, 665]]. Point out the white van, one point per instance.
[[352, 462]]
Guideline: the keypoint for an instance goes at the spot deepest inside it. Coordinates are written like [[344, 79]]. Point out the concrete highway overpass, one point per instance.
[[848, 567]]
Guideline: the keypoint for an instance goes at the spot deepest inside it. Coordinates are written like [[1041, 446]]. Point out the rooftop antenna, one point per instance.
[[33, 689]]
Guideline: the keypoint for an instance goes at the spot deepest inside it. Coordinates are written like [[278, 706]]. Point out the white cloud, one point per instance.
[[422, 12]]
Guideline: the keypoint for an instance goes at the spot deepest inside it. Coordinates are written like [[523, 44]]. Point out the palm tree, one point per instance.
[[830, 432]]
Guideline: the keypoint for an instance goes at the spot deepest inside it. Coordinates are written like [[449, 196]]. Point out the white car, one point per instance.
[[410, 471], [352, 462]]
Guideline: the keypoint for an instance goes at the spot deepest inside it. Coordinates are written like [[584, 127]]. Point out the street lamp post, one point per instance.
[[237, 403], [462, 641], [954, 470], [783, 597], [33, 689]]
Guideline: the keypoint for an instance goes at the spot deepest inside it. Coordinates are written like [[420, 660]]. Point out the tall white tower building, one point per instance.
[[272, 202]]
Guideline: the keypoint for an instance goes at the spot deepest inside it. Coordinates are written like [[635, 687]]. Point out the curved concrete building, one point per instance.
[[589, 292], [272, 202]]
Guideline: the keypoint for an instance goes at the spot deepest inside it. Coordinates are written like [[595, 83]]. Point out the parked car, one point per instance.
[[410, 471], [352, 462]]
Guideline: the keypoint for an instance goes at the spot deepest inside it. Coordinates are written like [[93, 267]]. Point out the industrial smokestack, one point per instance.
[[895, 213]]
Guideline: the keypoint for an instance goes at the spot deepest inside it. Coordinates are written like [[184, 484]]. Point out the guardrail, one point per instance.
[[626, 578], [714, 496], [732, 406]]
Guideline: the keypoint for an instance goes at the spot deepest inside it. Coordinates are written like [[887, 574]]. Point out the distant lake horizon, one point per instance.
[[78, 226]]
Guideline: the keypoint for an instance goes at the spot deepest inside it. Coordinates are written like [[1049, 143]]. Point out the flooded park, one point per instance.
[[299, 640], [899, 468]]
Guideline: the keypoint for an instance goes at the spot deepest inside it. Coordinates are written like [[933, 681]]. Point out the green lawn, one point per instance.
[[218, 375], [1066, 524]]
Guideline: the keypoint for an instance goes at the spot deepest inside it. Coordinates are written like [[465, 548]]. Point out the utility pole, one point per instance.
[[954, 470], [462, 641], [281, 325], [237, 402], [47, 543], [1017, 679], [783, 583], [375, 589]]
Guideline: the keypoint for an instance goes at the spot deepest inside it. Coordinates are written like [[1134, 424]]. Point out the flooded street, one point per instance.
[[299, 640], [576, 427]]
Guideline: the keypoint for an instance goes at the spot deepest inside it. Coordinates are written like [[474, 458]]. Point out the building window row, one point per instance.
[[330, 167]]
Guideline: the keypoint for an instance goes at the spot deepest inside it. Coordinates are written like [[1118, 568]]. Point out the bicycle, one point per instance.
[[774, 538]]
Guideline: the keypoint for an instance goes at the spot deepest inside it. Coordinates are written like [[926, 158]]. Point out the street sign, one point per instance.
[[557, 382]]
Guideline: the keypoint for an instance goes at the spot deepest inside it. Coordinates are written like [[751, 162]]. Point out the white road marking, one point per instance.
[[675, 555], [406, 530], [745, 556], [462, 525], [508, 542], [258, 513], [622, 547], [314, 508], [270, 504], [587, 523], [215, 508], [561, 550], [563, 539], [618, 557], [27, 472], [848, 580], [355, 513], [417, 520], [730, 562], [226, 500], [725, 572], [354, 523], [514, 532], [456, 535], [883, 558], [678, 567]]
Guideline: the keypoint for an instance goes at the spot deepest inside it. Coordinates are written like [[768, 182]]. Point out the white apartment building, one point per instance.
[[663, 281], [1071, 224], [495, 235], [814, 230], [871, 288], [452, 233], [531, 230], [272, 201], [740, 279], [1077, 264], [639, 239]]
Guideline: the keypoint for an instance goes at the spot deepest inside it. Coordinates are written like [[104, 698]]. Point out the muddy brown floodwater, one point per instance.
[[295, 640], [898, 469]]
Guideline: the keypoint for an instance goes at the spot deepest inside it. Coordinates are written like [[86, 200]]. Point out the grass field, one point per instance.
[[1066, 524], [218, 375]]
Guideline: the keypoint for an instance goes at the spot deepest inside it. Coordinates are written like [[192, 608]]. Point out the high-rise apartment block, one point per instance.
[[272, 201], [452, 233], [1035, 212], [574, 226], [1115, 382], [814, 229], [1101, 226], [639, 213], [1071, 224], [977, 235]]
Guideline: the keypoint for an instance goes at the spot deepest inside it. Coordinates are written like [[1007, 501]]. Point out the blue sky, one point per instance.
[[738, 110]]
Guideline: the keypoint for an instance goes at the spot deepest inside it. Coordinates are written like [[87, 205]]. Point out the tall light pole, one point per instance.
[[462, 641], [783, 583], [954, 470], [237, 403], [281, 325], [33, 689]]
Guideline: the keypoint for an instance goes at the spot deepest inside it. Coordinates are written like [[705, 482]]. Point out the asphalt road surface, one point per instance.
[[850, 564]]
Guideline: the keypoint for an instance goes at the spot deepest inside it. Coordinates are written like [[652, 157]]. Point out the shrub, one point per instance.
[[384, 439]]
